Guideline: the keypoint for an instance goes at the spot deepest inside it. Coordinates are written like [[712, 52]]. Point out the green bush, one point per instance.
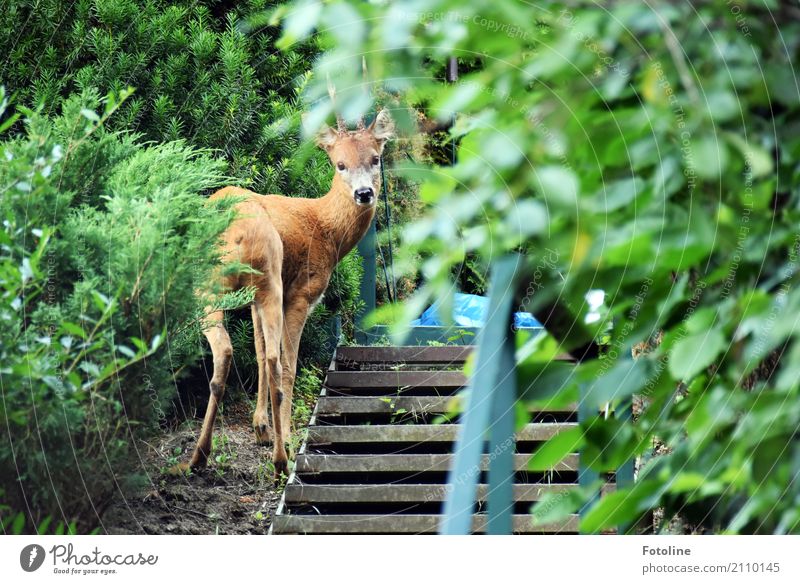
[[201, 73], [649, 150], [105, 241]]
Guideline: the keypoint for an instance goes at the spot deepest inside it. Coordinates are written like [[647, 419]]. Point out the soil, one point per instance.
[[236, 494]]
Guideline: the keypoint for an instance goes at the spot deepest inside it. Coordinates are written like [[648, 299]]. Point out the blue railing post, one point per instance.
[[489, 408], [500, 498], [625, 473], [586, 476], [366, 249]]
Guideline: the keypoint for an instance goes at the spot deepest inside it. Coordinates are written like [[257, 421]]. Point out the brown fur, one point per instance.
[[294, 243]]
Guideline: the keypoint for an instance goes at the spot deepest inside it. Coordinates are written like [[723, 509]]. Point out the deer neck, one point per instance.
[[344, 221]]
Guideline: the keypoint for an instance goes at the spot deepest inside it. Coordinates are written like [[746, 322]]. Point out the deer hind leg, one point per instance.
[[261, 423], [294, 320], [222, 351], [269, 305]]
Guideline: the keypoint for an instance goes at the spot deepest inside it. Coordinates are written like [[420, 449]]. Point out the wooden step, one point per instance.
[[392, 356], [417, 355], [396, 379], [404, 463], [373, 460], [397, 493], [401, 523], [411, 404], [537, 432]]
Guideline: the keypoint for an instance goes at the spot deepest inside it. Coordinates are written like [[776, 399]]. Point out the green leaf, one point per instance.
[[686, 482], [555, 506], [623, 380], [621, 506], [127, 351], [609, 443], [101, 301], [549, 454], [709, 157], [616, 194], [18, 524], [140, 344], [693, 353], [298, 24], [501, 149], [527, 218], [558, 185], [90, 115], [551, 384], [758, 159], [722, 105], [9, 122], [44, 525]]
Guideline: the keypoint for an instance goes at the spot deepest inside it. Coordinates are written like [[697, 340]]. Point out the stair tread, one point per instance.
[[396, 379], [411, 355], [418, 463], [373, 461], [421, 433], [332, 405], [404, 523], [402, 493]]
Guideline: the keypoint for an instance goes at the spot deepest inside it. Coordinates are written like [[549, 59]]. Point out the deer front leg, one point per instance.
[[261, 424], [294, 320], [222, 351], [270, 313]]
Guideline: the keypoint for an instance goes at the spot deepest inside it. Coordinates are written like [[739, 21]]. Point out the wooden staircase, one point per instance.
[[379, 446]]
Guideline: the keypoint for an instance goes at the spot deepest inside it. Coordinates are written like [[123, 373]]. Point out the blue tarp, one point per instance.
[[470, 310]]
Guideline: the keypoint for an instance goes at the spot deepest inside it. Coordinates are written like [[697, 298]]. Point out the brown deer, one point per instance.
[[294, 245]]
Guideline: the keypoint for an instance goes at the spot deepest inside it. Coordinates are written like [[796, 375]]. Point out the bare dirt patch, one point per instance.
[[236, 494]]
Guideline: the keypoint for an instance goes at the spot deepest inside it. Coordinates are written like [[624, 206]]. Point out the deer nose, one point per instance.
[[364, 195]]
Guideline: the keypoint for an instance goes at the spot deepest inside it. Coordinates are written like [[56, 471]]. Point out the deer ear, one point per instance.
[[326, 138], [382, 129]]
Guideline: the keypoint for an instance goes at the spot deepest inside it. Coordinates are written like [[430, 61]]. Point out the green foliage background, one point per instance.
[[99, 262], [646, 149], [202, 73], [214, 103]]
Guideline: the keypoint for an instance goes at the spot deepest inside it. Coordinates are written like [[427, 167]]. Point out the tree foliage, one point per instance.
[[646, 150], [104, 243], [205, 72]]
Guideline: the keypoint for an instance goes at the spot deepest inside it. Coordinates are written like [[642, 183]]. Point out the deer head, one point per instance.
[[356, 155]]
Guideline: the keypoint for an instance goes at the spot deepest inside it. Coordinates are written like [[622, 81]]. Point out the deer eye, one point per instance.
[[340, 165], [376, 160]]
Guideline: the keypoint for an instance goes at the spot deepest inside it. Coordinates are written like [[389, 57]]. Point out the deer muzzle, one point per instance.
[[364, 196]]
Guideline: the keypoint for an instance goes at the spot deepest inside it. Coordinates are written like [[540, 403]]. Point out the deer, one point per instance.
[[292, 245]]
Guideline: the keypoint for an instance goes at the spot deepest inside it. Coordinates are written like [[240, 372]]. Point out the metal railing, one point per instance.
[[489, 417]]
